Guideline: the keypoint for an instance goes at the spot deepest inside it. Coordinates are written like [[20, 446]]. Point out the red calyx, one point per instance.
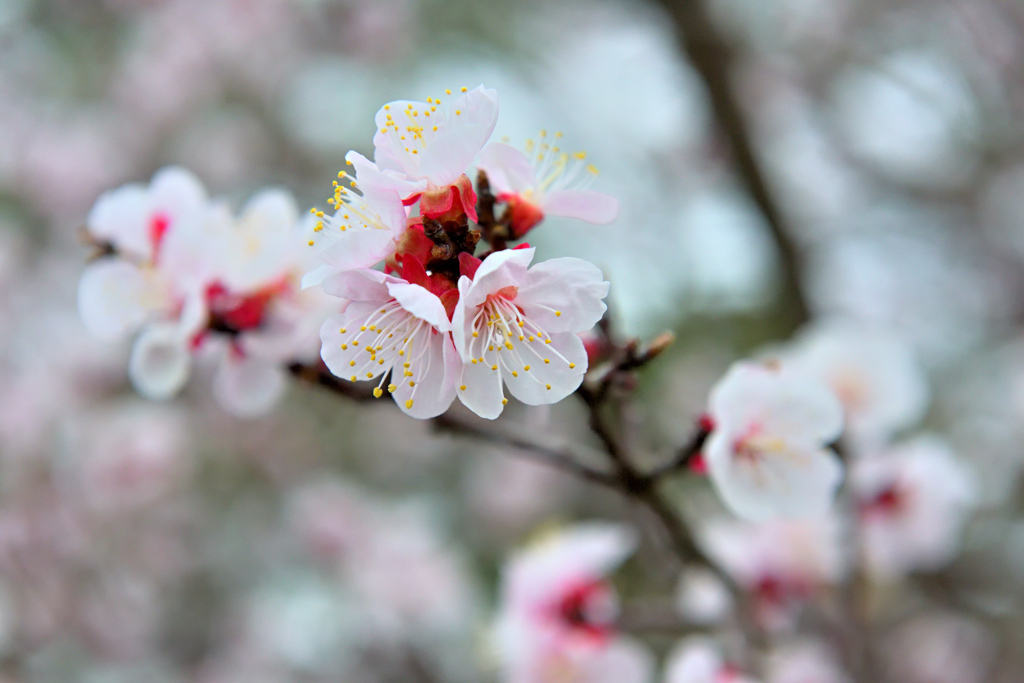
[[411, 269], [240, 312], [572, 609], [523, 214], [453, 203], [889, 501]]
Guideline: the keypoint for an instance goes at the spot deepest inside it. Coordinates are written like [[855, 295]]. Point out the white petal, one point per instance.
[[122, 217], [531, 386], [421, 303], [585, 205], [483, 392], [175, 190], [500, 269], [248, 387], [115, 298], [507, 168], [571, 287], [271, 209], [338, 359], [370, 177], [435, 387], [356, 249], [461, 321], [798, 483], [160, 362], [359, 285]]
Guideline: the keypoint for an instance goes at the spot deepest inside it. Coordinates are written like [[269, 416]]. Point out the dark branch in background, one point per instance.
[[714, 59]]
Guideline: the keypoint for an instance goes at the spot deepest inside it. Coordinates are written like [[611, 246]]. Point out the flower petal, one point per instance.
[[359, 285], [160, 362], [797, 483], [500, 269], [122, 217], [507, 168], [483, 392], [248, 387], [532, 386], [564, 295], [343, 359], [115, 298], [586, 205], [435, 383], [421, 303]]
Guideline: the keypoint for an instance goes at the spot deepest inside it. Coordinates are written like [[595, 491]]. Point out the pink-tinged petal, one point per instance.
[[317, 275], [623, 661], [585, 205], [160, 362], [356, 249], [483, 392], [359, 285], [435, 387], [115, 298], [442, 155], [507, 168], [551, 381], [564, 295], [421, 303], [371, 178], [122, 217], [248, 387], [499, 270], [339, 354], [800, 482]]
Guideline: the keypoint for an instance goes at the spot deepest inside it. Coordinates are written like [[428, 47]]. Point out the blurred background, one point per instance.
[[334, 541]]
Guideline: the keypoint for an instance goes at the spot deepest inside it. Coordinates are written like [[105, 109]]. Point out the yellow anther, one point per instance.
[[391, 388], [526, 367], [401, 352], [411, 383], [491, 347], [572, 366], [579, 155], [592, 169], [504, 401], [521, 323], [547, 361], [458, 111], [387, 107], [462, 388], [354, 378], [373, 328], [473, 361], [342, 330], [463, 90], [377, 393], [362, 328], [515, 374], [508, 345], [494, 367], [351, 363], [369, 375], [355, 342], [558, 314], [447, 91], [344, 347], [408, 404], [475, 334], [311, 243], [548, 387]]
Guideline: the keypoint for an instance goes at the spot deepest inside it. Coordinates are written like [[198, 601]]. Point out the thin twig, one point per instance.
[[714, 59]]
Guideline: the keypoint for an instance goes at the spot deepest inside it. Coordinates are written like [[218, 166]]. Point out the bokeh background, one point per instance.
[[340, 542]]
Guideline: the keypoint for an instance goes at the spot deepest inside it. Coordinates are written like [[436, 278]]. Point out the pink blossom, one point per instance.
[[557, 611], [519, 326], [767, 455]]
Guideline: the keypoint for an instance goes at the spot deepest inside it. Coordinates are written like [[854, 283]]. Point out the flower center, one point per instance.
[[391, 337], [509, 342]]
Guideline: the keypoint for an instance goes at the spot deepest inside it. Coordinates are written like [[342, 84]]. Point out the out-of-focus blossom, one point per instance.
[[699, 660], [913, 501], [197, 279], [701, 597], [518, 325], [544, 180], [767, 454], [804, 662], [557, 611], [393, 326], [938, 647], [875, 375], [782, 564]]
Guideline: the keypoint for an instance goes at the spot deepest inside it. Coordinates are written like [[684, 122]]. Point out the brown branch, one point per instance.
[[714, 59]]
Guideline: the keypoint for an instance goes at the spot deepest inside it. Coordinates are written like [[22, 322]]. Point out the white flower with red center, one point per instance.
[[544, 180], [699, 660], [519, 326], [780, 564], [258, 320], [396, 326], [422, 150], [557, 611], [767, 454], [875, 375], [913, 502], [156, 278], [364, 230]]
